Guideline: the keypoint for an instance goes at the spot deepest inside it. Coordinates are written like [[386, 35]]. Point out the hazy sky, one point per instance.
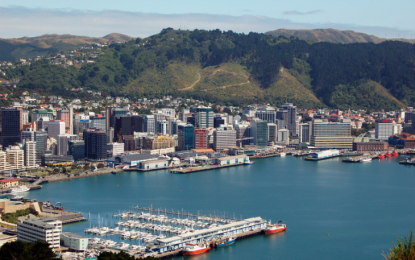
[[143, 18]]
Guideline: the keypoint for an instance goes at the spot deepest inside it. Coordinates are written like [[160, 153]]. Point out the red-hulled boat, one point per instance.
[[275, 228], [192, 249], [381, 156], [388, 154], [394, 153]]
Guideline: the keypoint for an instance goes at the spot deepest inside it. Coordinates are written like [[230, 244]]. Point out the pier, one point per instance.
[[202, 168]]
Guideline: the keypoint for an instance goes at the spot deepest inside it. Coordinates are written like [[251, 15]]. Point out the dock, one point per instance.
[[65, 216], [265, 156], [202, 168], [320, 159]]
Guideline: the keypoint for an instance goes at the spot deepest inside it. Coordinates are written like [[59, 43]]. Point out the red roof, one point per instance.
[[8, 180]]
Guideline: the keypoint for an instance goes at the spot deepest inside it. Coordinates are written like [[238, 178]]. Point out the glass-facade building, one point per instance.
[[77, 150], [186, 137]]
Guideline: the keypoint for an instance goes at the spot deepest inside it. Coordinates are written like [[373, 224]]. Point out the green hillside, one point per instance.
[[240, 69]]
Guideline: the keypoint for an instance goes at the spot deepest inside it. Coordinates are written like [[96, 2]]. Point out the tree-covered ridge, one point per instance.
[[249, 68]]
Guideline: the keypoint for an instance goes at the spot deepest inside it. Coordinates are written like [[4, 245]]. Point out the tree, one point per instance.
[[19, 250], [113, 256], [403, 250]]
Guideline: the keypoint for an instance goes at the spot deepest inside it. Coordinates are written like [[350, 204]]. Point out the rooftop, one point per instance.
[[73, 235]]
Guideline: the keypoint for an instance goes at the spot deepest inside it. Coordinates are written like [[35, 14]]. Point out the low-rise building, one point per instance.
[[154, 164], [74, 241], [9, 183], [44, 229], [230, 160], [370, 146]]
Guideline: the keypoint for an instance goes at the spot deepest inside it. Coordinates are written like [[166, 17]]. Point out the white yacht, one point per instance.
[[19, 189]]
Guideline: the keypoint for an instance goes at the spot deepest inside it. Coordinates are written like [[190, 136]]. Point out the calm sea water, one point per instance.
[[333, 210]]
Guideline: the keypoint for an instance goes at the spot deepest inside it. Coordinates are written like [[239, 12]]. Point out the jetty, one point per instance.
[[48, 210], [191, 169]]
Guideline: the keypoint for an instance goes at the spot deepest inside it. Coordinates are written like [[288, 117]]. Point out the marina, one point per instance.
[[161, 234]]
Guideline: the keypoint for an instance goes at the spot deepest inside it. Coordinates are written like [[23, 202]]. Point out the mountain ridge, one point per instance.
[[332, 35]]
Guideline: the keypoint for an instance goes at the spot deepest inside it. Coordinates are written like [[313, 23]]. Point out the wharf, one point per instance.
[[351, 154], [212, 243], [176, 212], [320, 159], [300, 154], [354, 160], [65, 216], [204, 168], [71, 176], [264, 156]]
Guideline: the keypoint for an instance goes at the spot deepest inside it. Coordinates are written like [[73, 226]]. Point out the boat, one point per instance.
[[192, 249], [114, 172], [228, 241], [365, 159], [19, 189], [249, 163], [282, 154], [275, 228], [381, 156], [349, 159], [388, 154], [394, 153]]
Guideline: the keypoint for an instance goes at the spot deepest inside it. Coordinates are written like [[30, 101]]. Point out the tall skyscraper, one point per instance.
[[28, 135], [138, 123], [291, 118], [63, 143], [259, 132], [11, 125], [25, 118], [149, 124], [95, 144], [162, 127], [204, 117], [30, 154], [186, 137], [41, 139], [201, 138], [272, 132], [304, 132], [55, 128], [65, 116]]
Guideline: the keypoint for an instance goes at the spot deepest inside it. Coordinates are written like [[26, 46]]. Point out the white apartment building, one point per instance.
[[44, 229], [55, 128], [224, 139], [30, 154]]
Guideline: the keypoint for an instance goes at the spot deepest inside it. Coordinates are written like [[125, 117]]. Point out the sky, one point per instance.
[[138, 18]]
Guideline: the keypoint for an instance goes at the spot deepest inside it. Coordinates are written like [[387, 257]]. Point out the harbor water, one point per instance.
[[333, 210]]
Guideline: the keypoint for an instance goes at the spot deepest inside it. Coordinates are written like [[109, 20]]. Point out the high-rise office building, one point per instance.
[[11, 125], [259, 132], [283, 136], [55, 128], [272, 132], [65, 116], [331, 135], [77, 150], [282, 117], [63, 143], [138, 123], [204, 117], [149, 124], [266, 113], [162, 127], [28, 135], [116, 112], [248, 111], [95, 144], [110, 135], [42, 123], [98, 122], [81, 122], [217, 121], [30, 154], [304, 132], [123, 126], [242, 131], [41, 139], [291, 118], [385, 128], [224, 139], [25, 118], [201, 138], [186, 137]]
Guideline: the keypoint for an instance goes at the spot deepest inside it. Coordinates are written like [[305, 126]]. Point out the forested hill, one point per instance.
[[239, 69]]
